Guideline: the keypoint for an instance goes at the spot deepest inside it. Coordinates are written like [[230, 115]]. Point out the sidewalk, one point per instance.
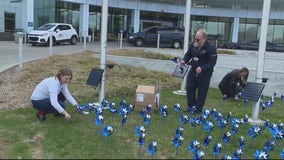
[[273, 69]]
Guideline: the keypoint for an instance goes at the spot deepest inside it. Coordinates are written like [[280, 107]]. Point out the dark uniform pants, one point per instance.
[[197, 88]]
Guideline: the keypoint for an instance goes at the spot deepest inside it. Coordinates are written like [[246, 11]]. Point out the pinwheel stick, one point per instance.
[[107, 139], [140, 150], [252, 141], [176, 150]]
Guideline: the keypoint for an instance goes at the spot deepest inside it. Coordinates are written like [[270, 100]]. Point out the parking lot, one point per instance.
[[273, 64]]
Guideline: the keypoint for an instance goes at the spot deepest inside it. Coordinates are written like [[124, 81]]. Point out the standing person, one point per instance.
[[234, 82], [49, 95], [202, 57]]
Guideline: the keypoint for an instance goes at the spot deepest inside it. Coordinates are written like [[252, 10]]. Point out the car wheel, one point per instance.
[[33, 44], [139, 42], [176, 44], [73, 40]]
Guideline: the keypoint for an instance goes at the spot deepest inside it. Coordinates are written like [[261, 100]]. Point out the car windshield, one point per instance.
[[45, 27]]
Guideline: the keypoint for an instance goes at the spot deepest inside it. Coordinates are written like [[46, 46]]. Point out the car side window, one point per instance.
[[152, 31], [66, 27], [58, 28]]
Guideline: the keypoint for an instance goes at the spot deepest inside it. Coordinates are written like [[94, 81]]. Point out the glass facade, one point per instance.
[[220, 28]]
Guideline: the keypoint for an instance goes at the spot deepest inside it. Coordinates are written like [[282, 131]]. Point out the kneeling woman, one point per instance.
[[234, 82], [49, 95]]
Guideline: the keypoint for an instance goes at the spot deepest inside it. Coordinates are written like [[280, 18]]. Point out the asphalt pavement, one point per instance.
[[273, 61]]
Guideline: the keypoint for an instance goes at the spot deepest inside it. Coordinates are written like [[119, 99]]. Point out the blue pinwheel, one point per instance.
[[194, 146], [130, 108], [269, 145], [242, 142], [148, 108], [226, 139], [259, 154], [99, 121], [139, 130], [123, 103], [246, 102], [253, 132], [280, 126], [193, 124], [176, 60], [245, 120], [104, 103], [282, 153], [147, 121], [112, 108], [123, 121], [266, 124], [98, 110], [183, 119], [177, 141], [199, 155], [213, 112], [90, 106], [164, 112], [80, 108], [143, 112], [207, 141], [191, 109], [226, 156], [107, 131], [238, 154], [229, 116], [152, 148], [177, 108], [141, 141], [217, 148], [208, 126], [222, 123], [179, 131], [205, 114]]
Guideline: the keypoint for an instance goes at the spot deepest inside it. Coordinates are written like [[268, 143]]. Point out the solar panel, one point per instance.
[[252, 91], [95, 77]]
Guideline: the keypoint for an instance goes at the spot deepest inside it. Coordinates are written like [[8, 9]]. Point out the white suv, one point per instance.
[[61, 32]]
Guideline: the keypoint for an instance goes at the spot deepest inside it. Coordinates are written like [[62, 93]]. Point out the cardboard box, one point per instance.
[[147, 95]]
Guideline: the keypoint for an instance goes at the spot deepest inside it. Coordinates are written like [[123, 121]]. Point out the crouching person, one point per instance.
[[50, 94]]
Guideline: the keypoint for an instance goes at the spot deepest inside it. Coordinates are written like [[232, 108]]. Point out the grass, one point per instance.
[[23, 136]]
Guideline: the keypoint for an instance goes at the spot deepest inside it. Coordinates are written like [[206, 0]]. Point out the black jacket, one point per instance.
[[205, 58], [231, 84]]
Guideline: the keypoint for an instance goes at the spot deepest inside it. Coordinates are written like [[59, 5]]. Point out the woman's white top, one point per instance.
[[50, 88]]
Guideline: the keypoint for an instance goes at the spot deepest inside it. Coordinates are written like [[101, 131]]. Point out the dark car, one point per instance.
[[253, 45], [170, 36]]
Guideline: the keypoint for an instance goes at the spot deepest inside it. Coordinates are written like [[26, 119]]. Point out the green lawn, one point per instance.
[[23, 136]]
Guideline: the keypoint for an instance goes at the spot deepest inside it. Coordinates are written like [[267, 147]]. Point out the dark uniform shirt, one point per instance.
[[205, 57]]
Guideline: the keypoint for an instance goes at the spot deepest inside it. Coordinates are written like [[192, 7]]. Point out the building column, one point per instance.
[[236, 25], [136, 20], [28, 16], [84, 20]]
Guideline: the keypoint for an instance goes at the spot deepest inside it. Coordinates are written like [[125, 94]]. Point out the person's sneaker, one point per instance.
[[40, 117]]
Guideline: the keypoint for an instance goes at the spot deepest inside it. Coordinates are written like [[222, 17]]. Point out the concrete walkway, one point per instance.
[[273, 67]]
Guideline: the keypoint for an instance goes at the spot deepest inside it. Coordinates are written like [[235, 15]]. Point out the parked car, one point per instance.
[[170, 36], [61, 32], [253, 45]]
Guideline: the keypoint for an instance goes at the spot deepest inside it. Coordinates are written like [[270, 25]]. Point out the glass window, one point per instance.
[[9, 22]]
